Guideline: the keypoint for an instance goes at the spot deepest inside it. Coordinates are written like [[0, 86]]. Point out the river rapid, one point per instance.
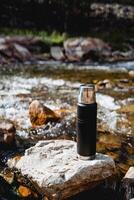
[[56, 85]]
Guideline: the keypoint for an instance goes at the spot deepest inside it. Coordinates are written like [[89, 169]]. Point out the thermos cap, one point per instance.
[[86, 94]]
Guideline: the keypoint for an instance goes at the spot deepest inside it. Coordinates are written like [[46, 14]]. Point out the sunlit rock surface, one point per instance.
[[40, 114], [54, 167], [130, 174], [131, 73]]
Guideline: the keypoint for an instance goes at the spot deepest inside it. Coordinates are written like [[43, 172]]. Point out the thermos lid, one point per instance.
[[86, 94]]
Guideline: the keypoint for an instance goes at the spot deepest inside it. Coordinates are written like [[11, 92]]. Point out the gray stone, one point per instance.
[[21, 51], [77, 49], [55, 169], [57, 53]]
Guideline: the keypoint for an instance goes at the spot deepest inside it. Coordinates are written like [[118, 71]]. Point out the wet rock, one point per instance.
[[131, 74], [8, 175], [54, 167], [128, 184], [127, 109], [7, 133], [57, 53], [122, 167], [24, 191], [109, 141], [121, 56], [113, 155], [86, 48], [105, 84], [13, 161], [40, 114]]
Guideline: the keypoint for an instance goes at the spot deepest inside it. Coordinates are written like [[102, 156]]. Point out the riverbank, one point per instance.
[[55, 47]]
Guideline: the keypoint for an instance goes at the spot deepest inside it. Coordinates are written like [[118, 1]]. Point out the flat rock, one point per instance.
[[55, 169]]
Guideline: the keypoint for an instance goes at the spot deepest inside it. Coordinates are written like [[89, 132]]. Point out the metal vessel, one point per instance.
[[86, 122]]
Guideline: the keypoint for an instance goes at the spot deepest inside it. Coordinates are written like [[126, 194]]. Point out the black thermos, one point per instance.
[[86, 122]]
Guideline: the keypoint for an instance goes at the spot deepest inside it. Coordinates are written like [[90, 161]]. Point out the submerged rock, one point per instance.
[[54, 167], [40, 114], [24, 191], [7, 133]]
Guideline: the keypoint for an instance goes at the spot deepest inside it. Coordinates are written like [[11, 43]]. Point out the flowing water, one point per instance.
[[56, 85]]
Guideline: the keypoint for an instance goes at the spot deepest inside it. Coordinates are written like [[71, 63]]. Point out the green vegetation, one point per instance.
[[50, 38], [119, 39]]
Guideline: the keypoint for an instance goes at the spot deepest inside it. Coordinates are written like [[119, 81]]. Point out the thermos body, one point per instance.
[[86, 129], [86, 122]]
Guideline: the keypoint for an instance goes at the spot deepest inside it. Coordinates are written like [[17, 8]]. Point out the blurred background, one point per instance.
[[47, 49]]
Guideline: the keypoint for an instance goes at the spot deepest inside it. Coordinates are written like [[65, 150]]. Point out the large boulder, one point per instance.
[[77, 49], [56, 170], [21, 48], [13, 49], [33, 44], [7, 133]]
